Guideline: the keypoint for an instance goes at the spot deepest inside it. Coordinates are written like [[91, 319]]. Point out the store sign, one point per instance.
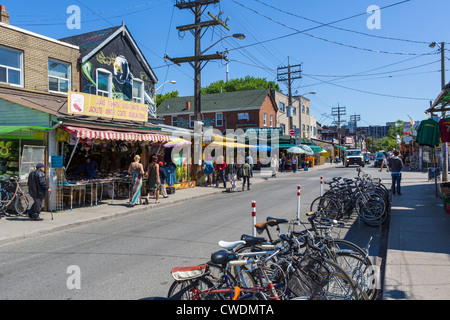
[[268, 132], [84, 104], [243, 116]]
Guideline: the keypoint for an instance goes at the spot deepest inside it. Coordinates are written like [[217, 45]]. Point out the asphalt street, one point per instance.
[[130, 258]]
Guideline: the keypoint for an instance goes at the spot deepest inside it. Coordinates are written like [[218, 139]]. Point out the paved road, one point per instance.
[[131, 257]]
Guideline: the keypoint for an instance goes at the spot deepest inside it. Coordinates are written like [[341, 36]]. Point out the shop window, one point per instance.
[[138, 91], [11, 66], [219, 119], [104, 83], [59, 74]]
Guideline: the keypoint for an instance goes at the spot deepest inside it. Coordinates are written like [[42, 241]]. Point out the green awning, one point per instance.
[[314, 148], [340, 147], [285, 145], [9, 129]]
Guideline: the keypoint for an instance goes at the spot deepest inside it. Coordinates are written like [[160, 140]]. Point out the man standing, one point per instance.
[[208, 170], [246, 174], [395, 165], [37, 188]]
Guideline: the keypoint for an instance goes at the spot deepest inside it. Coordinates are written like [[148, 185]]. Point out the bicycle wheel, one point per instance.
[[4, 199], [196, 289], [21, 204], [327, 207], [370, 208]]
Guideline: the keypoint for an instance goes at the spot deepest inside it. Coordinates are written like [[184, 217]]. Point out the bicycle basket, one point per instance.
[[187, 273]]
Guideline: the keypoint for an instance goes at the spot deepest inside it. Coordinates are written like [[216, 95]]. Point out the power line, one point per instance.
[[324, 39]]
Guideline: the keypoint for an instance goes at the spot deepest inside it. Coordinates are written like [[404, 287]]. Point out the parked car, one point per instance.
[[366, 158], [378, 160], [372, 156]]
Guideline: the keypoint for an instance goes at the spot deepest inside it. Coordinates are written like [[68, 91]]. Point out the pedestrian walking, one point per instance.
[[274, 165], [250, 162], [136, 170], [294, 163], [384, 162], [220, 168], [208, 169], [153, 181], [396, 166], [283, 162], [232, 172], [246, 174], [162, 178], [37, 188]]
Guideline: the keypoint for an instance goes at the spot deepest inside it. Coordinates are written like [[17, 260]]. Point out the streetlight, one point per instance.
[[240, 36], [171, 81]]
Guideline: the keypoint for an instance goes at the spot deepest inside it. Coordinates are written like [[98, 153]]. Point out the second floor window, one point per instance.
[[11, 66], [281, 106], [104, 83], [271, 120], [58, 76], [138, 91]]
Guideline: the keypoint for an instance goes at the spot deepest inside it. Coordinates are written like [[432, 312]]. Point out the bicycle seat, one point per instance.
[[230, 245], [337, 178], [223, 256], [251, 240], [277, 221]]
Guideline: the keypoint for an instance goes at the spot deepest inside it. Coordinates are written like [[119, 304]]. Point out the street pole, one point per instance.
[[445, 144]]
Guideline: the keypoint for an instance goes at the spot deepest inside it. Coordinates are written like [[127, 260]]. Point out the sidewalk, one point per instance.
[[418, 250]]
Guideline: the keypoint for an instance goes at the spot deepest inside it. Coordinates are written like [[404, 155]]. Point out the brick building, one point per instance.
[[229, 110]]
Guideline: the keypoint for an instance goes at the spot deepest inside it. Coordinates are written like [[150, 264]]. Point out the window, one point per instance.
[[303, 127], [307, 110], [282, 126], [303, 109], [281, 106], [294, 110], [104, 83], [265, 119], [271, 120], [11, 66], [174, 121], [138, 91], [191, 121], [219, 119], [59, 74]]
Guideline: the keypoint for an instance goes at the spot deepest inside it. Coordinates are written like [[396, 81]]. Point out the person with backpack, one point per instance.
[[246, 173], [395, 165]]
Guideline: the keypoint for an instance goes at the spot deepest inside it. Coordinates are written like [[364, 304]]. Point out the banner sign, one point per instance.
[[97, 106]]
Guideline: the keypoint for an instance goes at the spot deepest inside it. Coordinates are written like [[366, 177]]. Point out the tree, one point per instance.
[[161, 97], [240, 84]]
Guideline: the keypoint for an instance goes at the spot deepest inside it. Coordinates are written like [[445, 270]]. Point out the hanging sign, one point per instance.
[[84, 104]]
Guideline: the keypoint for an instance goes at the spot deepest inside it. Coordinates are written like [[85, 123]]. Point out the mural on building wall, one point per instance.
[[120, 60], [183, 123]]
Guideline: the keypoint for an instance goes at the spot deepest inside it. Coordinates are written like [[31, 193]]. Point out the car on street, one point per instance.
[[378, 160], [372, 156], [354, 156], [366, 158]]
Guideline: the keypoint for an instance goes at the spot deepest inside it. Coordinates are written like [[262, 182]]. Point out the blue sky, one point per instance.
[[382, 74]]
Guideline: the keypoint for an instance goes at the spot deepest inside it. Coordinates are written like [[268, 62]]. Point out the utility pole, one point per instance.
[[198, 7], [338, 112], [355, 118], [288, 74]]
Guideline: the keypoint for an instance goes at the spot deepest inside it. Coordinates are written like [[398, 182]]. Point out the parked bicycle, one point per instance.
[[13, 200]]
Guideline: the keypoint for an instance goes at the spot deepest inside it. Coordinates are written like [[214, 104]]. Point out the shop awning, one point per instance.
[[315, 148], [340, 147], [229, 144], [85, 133], [9, 129]]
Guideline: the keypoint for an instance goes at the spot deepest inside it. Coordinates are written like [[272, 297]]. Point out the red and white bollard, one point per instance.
[[298, 202], [321, 186], [254, 217]]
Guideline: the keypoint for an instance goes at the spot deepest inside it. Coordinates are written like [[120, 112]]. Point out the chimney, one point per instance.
[[4, 15], [188, 106]]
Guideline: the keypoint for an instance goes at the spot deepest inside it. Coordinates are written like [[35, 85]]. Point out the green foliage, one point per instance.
[[240, 84], [161, 97], [389, 142]]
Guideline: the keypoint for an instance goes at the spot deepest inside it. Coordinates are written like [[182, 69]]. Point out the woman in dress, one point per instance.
[[153, 181], [137, 171]]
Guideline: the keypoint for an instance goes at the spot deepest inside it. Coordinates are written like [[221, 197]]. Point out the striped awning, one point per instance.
[[85, 133]]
